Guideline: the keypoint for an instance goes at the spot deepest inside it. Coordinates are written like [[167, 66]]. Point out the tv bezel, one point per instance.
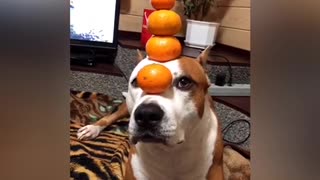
[[101, 45]]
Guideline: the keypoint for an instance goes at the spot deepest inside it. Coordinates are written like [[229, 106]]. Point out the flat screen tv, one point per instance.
[[94, 29]]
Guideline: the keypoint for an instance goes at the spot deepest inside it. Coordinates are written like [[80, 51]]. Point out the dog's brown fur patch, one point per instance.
[[192, 68], [216, 170]]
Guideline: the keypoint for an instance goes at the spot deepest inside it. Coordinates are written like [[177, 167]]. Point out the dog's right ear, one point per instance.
[[203, 57], [139, 56]]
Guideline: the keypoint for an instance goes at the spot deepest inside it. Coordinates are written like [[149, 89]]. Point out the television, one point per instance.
[[94, 30]]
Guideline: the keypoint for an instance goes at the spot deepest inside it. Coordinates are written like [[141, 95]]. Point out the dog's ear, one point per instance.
[[139, 56], [203, 57]]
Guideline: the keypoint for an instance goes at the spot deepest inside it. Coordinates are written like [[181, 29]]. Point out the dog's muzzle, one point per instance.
[[148, 118]]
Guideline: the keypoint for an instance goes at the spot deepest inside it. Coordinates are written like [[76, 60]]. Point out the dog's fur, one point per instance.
[[186, 143]]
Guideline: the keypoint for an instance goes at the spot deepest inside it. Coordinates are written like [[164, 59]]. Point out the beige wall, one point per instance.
[[234, 16]]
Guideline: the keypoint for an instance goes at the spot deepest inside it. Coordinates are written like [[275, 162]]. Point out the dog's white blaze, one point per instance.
[[170, 101]]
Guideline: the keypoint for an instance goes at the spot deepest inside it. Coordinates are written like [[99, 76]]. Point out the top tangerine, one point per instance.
[[163, 4]]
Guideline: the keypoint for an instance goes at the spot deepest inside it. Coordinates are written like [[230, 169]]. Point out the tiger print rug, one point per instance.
[[102, 158]]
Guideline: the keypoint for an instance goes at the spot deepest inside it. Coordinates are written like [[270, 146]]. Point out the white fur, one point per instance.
[[89, 132], [177, 105], [189, 160]]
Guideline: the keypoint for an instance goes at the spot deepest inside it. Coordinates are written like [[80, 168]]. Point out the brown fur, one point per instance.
[[235, 166], [139, 56], [203, 57], [122, 112], [197, 73], [216, 170], [193, 69]]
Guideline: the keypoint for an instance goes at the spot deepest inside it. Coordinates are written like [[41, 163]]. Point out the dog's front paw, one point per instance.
[[88, 132]]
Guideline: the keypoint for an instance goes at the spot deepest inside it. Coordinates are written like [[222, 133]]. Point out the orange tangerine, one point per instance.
[[164, 23], [154, 78], [163, 4], [163, 48]]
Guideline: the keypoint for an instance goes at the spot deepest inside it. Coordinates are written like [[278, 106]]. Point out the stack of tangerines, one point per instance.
[[162, 47]]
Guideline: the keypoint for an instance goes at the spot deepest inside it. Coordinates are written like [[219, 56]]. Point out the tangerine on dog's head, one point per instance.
[[154, 78]]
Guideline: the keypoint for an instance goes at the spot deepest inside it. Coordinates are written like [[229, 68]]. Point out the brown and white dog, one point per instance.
[[174, 135]]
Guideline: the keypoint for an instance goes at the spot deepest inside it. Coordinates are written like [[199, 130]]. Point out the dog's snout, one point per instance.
[[148, 115]]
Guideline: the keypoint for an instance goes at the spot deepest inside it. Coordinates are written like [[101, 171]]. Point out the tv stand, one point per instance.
[[83, 59], [90, 55], [94, 60]]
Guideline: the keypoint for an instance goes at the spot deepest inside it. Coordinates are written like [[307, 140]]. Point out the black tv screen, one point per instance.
[[94, 23]]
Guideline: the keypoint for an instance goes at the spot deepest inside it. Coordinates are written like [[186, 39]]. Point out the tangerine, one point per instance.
[[164, 23], [163, 4], [154, 78], [163, 48]]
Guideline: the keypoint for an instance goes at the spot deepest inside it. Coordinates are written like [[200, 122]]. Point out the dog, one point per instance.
[[174, 135]]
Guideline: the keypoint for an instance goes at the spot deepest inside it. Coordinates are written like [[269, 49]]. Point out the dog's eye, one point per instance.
[[184, 83], [134, 83]]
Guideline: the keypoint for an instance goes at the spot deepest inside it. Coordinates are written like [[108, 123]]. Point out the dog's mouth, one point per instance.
[[148, 138]]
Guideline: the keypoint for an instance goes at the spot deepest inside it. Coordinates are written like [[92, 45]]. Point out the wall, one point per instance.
[[234, 16]]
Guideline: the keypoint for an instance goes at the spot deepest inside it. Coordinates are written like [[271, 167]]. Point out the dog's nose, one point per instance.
[[148, 115]]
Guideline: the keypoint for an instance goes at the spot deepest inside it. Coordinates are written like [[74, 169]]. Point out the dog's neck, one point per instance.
[[189, 160]]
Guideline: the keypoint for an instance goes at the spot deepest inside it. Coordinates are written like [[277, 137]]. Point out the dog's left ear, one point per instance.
[[139, 56], [203, 57]]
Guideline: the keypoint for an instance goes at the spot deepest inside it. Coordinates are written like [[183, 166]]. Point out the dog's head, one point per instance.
[[167, 116]]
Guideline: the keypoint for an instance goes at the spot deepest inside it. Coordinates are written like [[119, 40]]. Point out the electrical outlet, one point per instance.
[[226, 90]]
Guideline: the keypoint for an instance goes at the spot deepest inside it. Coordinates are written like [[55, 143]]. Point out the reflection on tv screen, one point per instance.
[[92, 20]]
